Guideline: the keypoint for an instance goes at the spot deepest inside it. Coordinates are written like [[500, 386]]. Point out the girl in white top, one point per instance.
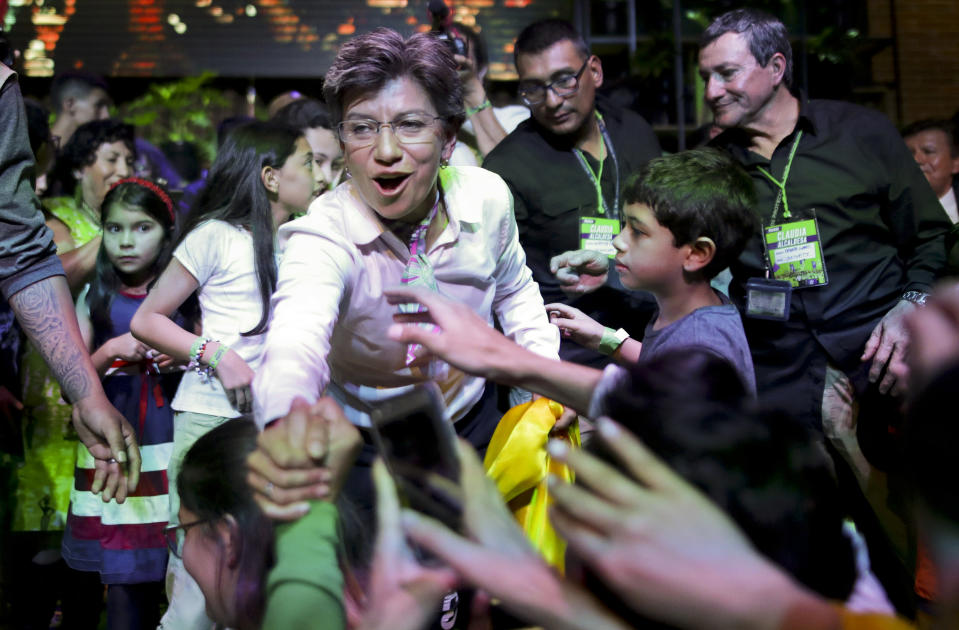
[[264, 172]]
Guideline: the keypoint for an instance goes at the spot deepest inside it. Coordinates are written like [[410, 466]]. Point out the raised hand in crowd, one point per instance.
[[403, 594], [666, 549], [493, 554], [580, 271], [304, 455], [488, 354]]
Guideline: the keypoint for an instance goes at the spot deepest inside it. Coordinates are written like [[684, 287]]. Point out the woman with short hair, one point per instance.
[[403, 218]]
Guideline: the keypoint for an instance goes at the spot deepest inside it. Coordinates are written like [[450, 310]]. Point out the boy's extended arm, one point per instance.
[[464, 340]]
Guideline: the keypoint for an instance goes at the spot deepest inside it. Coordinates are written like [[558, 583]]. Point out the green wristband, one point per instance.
[[215, 359], [471, 111], [612, 340]]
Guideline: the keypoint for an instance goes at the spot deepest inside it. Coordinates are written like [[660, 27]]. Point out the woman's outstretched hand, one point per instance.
[[302, 456], [454, 324]]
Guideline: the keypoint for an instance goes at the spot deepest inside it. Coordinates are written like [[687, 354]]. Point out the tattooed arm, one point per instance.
[[45, 312]]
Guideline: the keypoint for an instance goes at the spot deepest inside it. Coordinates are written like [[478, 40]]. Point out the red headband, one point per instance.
[[159, 192]]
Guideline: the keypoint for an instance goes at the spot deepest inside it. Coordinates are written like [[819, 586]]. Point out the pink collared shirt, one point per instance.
[[329, 314]]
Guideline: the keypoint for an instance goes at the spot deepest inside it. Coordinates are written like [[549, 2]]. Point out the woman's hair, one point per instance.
[[81, 150], [368, 62], [212, 485], [762, 467], [154, 201], [235, 193], [303, 114]]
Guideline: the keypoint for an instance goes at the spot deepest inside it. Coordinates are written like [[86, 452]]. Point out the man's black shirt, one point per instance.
[[880, 226], [551, 192]]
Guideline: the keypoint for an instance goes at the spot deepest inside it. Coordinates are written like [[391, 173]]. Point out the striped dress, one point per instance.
[[125, 542]]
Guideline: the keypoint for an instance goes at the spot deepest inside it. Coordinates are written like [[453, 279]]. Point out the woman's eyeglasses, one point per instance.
[[534, 92], [174, 535], [408, 130]]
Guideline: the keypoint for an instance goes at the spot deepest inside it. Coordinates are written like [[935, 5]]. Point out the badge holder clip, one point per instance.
[[767, 298]]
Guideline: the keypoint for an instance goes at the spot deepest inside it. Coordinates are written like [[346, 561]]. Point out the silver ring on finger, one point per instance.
[[268, 489]]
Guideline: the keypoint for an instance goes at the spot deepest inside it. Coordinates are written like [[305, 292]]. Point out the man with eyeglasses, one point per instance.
[[566, 167]]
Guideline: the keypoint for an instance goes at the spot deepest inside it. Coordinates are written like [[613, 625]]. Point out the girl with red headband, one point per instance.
[[125, 543]]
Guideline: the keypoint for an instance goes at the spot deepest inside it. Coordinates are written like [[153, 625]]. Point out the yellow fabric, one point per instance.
[[519, 464], [871, 621]]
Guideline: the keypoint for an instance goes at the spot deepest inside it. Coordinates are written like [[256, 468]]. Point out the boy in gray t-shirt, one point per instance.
[[687, 216], [716, 330]]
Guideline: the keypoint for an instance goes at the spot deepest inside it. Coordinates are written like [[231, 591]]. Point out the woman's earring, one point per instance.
[[444, 163]]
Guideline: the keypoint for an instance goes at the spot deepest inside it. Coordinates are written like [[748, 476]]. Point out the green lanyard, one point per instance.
[[781, 197], [597, 177]]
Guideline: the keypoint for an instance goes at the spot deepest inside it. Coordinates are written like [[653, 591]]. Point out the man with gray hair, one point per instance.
[[851, 238]]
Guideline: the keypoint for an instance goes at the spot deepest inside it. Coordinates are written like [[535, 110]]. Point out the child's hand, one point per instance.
[[236, 376], [163, 361], [576, 325], [127, 348]]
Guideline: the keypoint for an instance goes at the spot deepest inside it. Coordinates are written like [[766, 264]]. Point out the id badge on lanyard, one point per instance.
[[794, 260], [793, 256], [794, 253], [597, 233]]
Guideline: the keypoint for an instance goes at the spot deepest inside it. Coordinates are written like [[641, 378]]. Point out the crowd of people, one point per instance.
[[748, 336]]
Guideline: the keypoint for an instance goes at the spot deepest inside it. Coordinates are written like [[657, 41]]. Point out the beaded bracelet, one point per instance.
[[195, 349], [196, 352]]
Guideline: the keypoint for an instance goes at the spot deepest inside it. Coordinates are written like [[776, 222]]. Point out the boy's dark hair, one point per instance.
[[763, 468], [539, 36], [702, 192], [934, 124], [73, 83], [303, 114]]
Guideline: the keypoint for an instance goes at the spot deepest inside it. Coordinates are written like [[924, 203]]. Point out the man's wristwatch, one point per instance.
[[612, 340], [916, 297]]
